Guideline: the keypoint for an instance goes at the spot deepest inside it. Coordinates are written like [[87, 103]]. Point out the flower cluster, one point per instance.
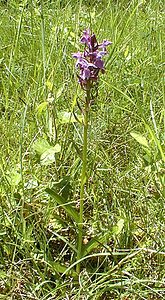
[[90, 61]]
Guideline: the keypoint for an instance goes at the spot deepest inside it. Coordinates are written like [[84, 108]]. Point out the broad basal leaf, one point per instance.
[[46, 151], [40, 146], [48, 157]]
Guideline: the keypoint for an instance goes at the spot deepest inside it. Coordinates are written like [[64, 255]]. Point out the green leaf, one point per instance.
[[78, 150], [59, 92], [46, 151], [49, 85], [140, 139], [101, 239], [56, 222], [3, 275], [59, 268], [118, 227], [70, 210], [31, 184], [40, 146], [157, 141], [57, 148], [72, 34], [64, 185], [95, 242], [68, 117], [41, 108], [14, 177], [48, 157]]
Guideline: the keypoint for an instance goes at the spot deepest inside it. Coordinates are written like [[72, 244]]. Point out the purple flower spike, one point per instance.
[[90, 61]]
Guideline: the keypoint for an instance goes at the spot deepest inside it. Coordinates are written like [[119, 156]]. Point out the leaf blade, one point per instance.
[[71, 211], [140, 139]]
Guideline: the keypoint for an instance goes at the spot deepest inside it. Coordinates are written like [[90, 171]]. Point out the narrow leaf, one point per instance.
[[101, 239], [49, 85], [59, 268], [41, 108], [59, 92], [95, 242], [70, 210], [78, 150], [140, 139], [156, 140]]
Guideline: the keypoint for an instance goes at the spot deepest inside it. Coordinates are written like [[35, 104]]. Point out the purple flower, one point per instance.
[[77, 55], [90, 62], [104, 45], [86, 39]]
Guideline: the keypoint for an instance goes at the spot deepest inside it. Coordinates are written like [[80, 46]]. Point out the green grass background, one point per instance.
[[124, 195]]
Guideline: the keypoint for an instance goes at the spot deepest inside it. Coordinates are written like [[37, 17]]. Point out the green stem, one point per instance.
[[83, 180]]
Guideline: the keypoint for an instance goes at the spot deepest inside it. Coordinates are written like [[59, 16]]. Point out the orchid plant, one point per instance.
[[90, 64]]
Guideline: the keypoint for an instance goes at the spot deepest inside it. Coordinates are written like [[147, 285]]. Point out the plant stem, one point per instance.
[[83, 179]]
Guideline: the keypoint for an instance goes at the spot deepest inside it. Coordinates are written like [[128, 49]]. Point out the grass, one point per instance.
[[124, 223]]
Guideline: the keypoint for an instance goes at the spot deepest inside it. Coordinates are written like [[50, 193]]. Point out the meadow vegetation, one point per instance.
[[41, 152]]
